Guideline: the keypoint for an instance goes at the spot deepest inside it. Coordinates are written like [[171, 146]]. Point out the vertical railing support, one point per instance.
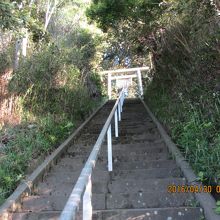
[[119, 112], [120, 103], [123, 98], [109, 140], [87, 201], [116, 123]]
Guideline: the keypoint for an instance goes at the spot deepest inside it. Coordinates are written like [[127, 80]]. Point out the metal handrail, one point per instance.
[[84, 184]]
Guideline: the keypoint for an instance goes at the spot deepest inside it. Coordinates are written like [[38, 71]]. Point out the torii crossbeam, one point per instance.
[[130, 75]]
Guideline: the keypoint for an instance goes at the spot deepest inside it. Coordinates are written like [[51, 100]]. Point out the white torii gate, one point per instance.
[[136, 70]]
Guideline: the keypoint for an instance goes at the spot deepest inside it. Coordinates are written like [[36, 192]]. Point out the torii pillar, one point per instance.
[[140, 86]]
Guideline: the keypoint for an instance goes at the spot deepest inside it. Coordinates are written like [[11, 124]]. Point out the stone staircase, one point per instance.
[[137, 189]]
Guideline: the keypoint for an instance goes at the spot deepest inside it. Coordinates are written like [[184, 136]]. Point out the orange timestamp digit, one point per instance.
[[190, 189]]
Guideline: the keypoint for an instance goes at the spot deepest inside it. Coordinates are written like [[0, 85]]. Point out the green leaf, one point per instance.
[[217, 210]]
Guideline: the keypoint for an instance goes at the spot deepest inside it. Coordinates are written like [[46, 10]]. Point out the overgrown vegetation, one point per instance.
[[54, 87], [24, 144], [184, 92]]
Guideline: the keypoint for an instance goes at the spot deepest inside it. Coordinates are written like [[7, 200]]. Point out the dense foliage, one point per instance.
[[54, 87], [128, 24], [185, 85]]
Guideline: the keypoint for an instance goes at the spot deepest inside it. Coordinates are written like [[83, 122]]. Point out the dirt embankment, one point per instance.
[[7, 101]]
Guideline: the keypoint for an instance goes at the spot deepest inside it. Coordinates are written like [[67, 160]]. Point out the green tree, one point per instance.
[[128, 24]]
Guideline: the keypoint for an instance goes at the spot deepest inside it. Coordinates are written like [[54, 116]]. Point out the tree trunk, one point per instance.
[[151, 61], [50, 10], [21, 44], [24, 44], [17, 54]]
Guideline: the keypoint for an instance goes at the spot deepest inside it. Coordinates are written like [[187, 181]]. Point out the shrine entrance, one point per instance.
[[125, 78]]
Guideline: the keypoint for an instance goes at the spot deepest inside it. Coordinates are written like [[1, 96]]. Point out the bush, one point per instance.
[[54, 97], [5, 61], [26, 143], [184, 92]]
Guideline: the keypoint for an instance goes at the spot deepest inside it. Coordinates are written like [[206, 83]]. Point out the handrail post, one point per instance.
[[120, 102], [119, 112], [87, 201], [123, 98], [116, 123], [109, 140]]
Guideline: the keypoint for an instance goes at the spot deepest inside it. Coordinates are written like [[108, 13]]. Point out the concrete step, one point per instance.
[[133, 152], [148, 185], [69, 163], [119, 150], [140, 148], [136, 138], [56, 203], [89, 139], [137, 118], [126, 123], [119, 186], [138, 123], [120, 140], [182, 213], [144, 157], [73, 164], [146, 136], [139, 135], [65, 188], [124, 138], [129, 140], [148, 200], [65, 176], [47, 215], [130, 123], [170, 164], [111, 201], [135, 131], [125, 130], [125, 147], [142, 174]]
